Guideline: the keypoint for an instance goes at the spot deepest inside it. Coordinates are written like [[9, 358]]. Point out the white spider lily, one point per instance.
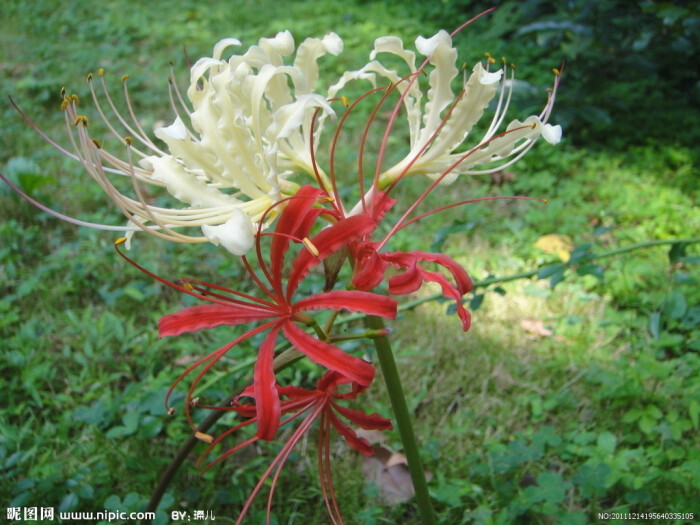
[[229, 157], [445, 121]]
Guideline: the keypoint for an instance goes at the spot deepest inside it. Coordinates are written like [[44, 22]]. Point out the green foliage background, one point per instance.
[[601, 416]]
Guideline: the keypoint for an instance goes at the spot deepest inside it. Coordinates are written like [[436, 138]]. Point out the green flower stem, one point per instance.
[[403, 421]]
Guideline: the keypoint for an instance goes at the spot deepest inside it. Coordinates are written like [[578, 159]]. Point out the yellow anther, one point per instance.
[[512, 65], [533, 125], [74, 98], [89, 77], [63, 92], [487, 54], [491, 60], [556, 71], [187, 286], [345, 101], [64, 103], [82, 120], [124, 77], [97, 143], [120, 240], [128, 140], [101, 71], [207, 438], [504, 60], [310, 246], [545, 201], [465, 65]]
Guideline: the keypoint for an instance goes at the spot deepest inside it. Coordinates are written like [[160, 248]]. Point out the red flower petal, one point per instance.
[[464, 282], [370, 267], [413, 276], [208, 316], [354, 301], [267, 400], [329, 356], [296, 220], [364, 420], [327, 242], [358, 443]]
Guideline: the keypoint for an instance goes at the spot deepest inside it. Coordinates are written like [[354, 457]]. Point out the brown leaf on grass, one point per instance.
[[535, 327], [374, 437], [388, 470]]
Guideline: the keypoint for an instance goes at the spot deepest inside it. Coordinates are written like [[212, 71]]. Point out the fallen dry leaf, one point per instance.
[[388, 470], [561, 245], [374, 437], [535, 327]]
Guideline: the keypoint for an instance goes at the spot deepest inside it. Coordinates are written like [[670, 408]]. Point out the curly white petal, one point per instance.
[[237, 234]]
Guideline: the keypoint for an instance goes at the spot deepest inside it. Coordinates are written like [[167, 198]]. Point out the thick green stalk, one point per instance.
[[403, 421]]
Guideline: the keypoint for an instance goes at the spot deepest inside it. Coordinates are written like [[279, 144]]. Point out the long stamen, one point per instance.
[[172, 87], [471, 20], [437, 181], [63, 217], [281, 457], [206, 291], [238, 447], [312, 152], [326, 423], [144, 206], [119, 116], [210, 361], [335, 141], [461, 203], [258, 249], [499, 114], [427, 144], [119, 136], [189, 290], [142, 135]]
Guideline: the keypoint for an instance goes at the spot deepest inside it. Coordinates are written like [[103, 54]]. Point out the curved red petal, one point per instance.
[[208, 316], [380, 205], [462, 279], [329, 356], [267, 400], [352, 300], [327, 242], [329, 382], [407, 281], [364, 420], [370, 267], [356, 442], [449, 291], [296, 220]]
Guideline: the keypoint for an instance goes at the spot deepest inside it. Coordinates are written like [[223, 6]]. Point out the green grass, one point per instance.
[[515, 428]]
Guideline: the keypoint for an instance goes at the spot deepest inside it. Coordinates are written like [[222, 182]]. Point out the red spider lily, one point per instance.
[[319, 403], [278, 310]]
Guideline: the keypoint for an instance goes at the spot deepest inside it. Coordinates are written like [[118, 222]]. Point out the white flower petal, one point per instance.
[[237, 234], [487, 78], [551, 134]]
